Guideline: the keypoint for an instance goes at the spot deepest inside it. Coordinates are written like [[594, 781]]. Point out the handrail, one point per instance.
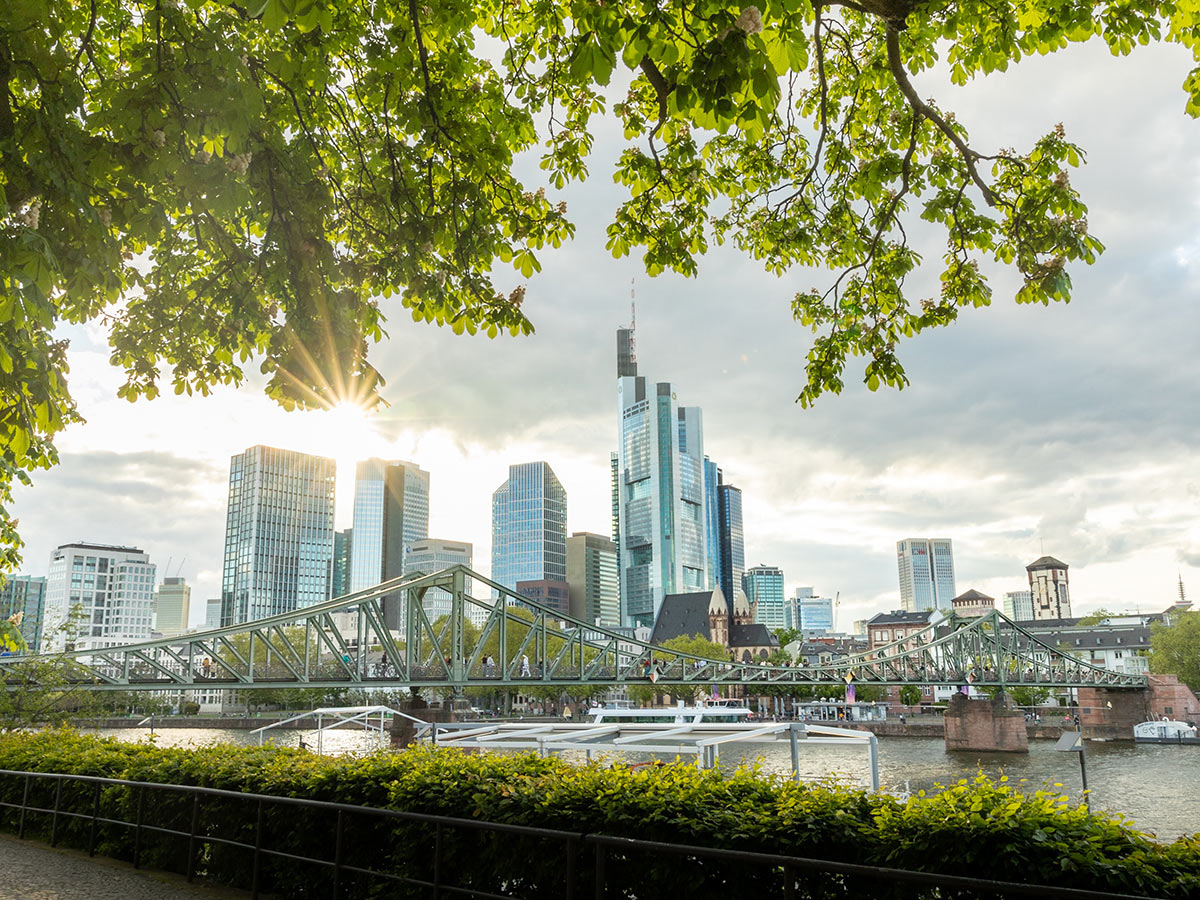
[[601, 843]]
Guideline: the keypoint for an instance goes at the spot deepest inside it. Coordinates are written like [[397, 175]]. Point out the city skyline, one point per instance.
[[1026, 431]]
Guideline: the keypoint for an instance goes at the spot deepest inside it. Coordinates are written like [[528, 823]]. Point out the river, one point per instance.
[[1157, 787]]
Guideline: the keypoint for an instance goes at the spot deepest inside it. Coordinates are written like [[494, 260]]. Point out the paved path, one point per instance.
[[32, 870]]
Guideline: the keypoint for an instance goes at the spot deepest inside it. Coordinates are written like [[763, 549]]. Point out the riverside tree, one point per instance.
[[1175, 648], [224, 183]]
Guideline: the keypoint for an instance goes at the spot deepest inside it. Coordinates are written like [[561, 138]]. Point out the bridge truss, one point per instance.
[[345, 643]]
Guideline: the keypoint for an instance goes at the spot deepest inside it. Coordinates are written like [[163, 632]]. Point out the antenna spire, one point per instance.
[[632, 322]]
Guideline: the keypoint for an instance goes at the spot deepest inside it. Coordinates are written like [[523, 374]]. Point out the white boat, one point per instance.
[[723, 711], [1165, 731]]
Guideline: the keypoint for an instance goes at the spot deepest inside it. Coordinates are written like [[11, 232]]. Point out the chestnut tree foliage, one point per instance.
[[223, 183]]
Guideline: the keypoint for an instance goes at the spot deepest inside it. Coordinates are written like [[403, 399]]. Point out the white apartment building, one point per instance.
[[98, 595]]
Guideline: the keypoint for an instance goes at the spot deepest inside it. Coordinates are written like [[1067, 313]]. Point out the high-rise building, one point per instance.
[[212, 613], [529, 527], [547, 592], [733, 547], [98, 595], [1048, 588], [340, 584], [25, 594], [1017, 605], [431, 555], [764, 589], [391, 511], [172, 606], [278, 533], [592, 579], [813, 613], [712, 521], [926, 569]]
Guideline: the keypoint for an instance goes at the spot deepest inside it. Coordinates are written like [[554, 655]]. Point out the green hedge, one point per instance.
[[982, 828]]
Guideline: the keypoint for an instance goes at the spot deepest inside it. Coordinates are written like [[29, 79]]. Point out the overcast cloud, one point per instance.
[[1070, 430]]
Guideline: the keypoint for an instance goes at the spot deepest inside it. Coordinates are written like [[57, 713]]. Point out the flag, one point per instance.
[[850, 692]]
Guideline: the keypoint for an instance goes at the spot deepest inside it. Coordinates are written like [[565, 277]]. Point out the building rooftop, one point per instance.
[[1046, 562], [901, 617], [973, 596]]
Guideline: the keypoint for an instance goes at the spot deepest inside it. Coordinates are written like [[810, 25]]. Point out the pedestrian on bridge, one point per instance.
[[524, 665]]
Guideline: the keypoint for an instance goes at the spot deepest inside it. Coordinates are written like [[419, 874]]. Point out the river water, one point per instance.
[[1156, 787]]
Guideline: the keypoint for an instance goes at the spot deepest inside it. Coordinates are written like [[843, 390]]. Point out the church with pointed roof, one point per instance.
[[707, 614]]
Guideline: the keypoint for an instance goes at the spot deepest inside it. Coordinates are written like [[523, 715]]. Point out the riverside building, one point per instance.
[[1048, 588], [278, 533], [98, 595], [25, 594]]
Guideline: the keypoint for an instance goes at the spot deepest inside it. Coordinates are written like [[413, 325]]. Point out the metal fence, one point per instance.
[[584, 863]]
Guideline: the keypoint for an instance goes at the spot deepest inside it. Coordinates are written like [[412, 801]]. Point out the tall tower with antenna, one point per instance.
[[632, 322]]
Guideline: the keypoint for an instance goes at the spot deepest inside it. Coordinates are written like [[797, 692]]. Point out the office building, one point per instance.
[[172, 606], [764, 589], [1017, 605], [431, 555], [25, 594], [391, 511], [212, 613], [733, 549], [663, 545], [712, 520], [1048, 588], [529, 527], [98, 595], [592, 579], [813, 614], [340, 583], [554, 595], [926, 569], [278, 533]]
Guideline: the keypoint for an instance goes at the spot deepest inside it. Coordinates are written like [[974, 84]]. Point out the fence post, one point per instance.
[[437, 862], [789, 883], [337, 857], [572, 853], [258, 830], [95, 816], [137, 831], [191, 867], [24, 805], [600, 854], [54, 818]]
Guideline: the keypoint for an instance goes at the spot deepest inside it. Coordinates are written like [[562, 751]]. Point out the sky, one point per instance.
[[1070, 430]]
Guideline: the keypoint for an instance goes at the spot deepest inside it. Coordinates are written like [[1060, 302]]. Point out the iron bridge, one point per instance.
[[345, 643]]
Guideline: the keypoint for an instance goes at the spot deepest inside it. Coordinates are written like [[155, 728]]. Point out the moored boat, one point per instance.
[[1165, 731], [714, 711]]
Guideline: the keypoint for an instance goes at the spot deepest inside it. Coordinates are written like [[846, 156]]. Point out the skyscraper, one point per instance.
[[25, 594], [712, 521], [764, 589], [278, 533], [733, 548], [1048, 587], [432, 555], [340, 585], [391, 511], [1017, 605], [662, 546], [98, 595], [172, 607], [529, 527], [593, 578], [926, 568]]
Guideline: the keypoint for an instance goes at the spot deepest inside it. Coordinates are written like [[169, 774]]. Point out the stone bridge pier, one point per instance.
[[985, 724]]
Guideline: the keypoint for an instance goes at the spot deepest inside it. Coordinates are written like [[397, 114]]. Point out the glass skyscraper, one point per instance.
[[278, 533], [391, 511], [25, 594], [529, 527], [663, 547], [733, 545], [432, 555], [712, 520], [764, 589], [926, 568], [340, 585], [813, 613]]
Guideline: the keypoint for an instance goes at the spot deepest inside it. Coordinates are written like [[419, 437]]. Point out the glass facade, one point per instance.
[[340, 585], [529, 526], [593, 578], [391, 511], [278, 534], [172, 607], [926, 570], [659, 494], [733, 545], [815, 613], [764, 589], [432, 555], [25, 594], [712, 521]]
